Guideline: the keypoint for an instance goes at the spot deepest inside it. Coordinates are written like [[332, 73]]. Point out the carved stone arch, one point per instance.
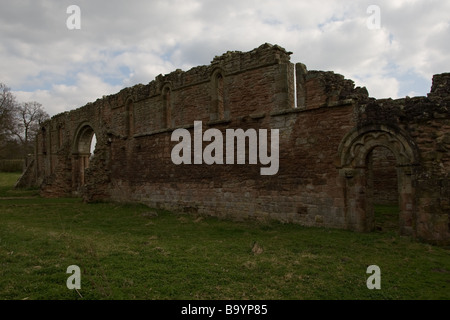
[[129, 98], [81, 152], [353, 155], [165, 85], [82, 137], [44, 140], [358, 143], [217, 69]]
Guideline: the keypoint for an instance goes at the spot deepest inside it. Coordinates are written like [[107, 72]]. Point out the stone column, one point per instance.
[[358, 201]]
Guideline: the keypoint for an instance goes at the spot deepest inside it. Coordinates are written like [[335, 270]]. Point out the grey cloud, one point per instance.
[[152, 37]]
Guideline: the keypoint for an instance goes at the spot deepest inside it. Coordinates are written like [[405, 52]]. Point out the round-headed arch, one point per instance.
[[358, 143], [83, 139], [353, 161]]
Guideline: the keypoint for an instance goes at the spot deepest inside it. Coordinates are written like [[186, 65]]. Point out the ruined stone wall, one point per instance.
[[325, 142], [425, 121]]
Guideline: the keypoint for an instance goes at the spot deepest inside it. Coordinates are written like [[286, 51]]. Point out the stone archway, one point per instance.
[[353, 159], [81, 152]]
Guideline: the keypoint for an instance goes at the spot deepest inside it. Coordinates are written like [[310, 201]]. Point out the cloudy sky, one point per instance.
[[125, 42]]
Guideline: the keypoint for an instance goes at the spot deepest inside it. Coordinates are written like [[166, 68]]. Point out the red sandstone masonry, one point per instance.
[[326, 142]]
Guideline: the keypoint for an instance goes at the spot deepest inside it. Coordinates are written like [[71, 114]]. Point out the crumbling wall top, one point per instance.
[[440, 87], [265, 54]]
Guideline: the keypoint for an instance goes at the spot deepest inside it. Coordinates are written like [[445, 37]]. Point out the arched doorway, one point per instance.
[[355, 156], [82, 153], [383, 183]]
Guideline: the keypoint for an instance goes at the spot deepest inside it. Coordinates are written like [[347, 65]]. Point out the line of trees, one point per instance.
[[19, 124]]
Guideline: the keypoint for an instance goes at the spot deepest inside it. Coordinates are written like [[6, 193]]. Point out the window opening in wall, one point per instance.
[[83, 153], [44, 141], [93, 145], [167, 108], [130, 118], [220, 95]]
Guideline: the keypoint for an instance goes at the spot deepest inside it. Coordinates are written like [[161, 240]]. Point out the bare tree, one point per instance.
[[28, 117], [19, 122], [7, 107]]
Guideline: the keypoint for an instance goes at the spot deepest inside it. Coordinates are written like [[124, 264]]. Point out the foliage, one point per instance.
[[18, 122], [15, 165], [7, 105], [27, 121]]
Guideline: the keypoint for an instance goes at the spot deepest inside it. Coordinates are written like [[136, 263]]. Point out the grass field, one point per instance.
[[134, 252]]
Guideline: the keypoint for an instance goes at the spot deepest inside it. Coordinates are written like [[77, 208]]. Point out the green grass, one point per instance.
[[7, 180], [127, 252], [386, 218]]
